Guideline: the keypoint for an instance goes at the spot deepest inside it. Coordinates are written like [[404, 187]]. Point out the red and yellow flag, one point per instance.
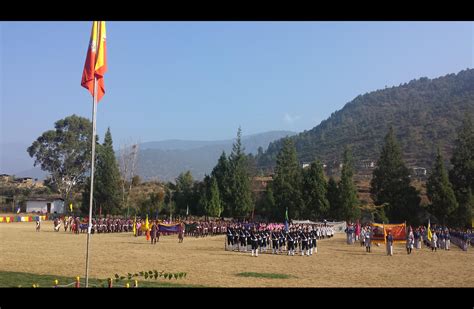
[[96, 60]]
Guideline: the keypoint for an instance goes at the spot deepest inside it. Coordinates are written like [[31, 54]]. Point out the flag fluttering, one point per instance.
[[286, 219], [429, 235], [147, 228], [96, 60], [70, 207]]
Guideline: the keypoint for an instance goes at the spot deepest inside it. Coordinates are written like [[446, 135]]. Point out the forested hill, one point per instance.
[[424, 113]]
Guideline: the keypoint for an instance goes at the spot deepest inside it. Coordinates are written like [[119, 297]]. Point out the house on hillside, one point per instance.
[[419, 171], [45, 205]]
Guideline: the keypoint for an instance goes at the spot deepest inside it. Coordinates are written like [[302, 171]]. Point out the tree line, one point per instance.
[[228, 190]]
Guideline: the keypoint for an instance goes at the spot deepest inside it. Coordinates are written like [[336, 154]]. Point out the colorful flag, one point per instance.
[[70, 207], [429, 235], [96, 60], [286, 219], [135, 226], [147, 228]]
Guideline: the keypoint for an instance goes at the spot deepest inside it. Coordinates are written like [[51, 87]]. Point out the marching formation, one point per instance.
[[276, 239]]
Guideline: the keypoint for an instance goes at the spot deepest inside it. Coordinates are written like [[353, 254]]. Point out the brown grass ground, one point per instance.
[[206, 263]]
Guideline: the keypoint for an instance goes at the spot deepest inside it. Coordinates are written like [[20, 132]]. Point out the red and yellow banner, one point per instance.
[[380, 230]]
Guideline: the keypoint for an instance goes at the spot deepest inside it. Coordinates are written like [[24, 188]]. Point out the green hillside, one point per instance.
[[424, 113]]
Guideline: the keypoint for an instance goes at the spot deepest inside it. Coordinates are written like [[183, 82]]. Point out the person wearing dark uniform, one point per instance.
[[389, 244], [275, 241], [367, 240], [314, 241], [310, 242], [304, 242], [267, 240], [236, 238], [282, 241], [248, 237], [254, 239], [290, 238], [230, 238], [243, 240]]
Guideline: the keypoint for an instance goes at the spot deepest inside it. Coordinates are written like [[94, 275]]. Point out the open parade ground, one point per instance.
[[207, 263]]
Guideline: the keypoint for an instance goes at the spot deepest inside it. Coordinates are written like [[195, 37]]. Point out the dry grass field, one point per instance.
[[206, 263]]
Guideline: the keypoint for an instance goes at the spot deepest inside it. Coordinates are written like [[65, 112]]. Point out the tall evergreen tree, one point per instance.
[[347, 189], [213, 205], [440, 192], [391, 184], [266, 204], [462, 173], [240, 192], [221, 173], [288, 182], [314, 192], [107, 183], [335, 211], [184, 193]]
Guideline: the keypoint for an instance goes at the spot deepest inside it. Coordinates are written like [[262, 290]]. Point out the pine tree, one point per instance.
[[221, 173], [391, 184], [314, 192], [334, 200], [347, 189], [269, 209], [440, 192], [240, 197], [213, 205], [184, 192], [462, 173], [107, 185], [288, 182]]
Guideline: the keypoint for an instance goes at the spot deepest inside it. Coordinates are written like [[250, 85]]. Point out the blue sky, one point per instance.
[[201, 80]]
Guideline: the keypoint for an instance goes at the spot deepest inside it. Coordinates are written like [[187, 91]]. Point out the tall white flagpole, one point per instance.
[[94, 110]]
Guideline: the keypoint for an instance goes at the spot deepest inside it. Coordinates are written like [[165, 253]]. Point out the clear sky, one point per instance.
[[201, 80]]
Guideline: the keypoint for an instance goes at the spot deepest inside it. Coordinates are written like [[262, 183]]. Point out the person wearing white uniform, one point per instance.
[[434, 242]]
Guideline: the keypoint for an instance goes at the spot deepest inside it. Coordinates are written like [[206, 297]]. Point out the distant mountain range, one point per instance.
[[425, 113], [165, 160], [14, 160]]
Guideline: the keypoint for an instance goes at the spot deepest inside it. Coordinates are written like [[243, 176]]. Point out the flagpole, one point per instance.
[[94, 110]]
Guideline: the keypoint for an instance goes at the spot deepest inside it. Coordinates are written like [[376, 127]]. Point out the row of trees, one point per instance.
[[227, 191]]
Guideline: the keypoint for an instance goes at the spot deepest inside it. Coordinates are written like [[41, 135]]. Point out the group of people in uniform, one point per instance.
[[277, 239], [440, 238], [78, 225], [203, 228]]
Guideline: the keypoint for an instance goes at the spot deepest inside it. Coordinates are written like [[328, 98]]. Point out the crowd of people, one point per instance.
[[78, 225], [275, 238], [439, 237]]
